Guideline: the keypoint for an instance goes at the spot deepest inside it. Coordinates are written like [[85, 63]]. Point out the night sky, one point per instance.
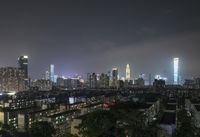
[[81, 36]]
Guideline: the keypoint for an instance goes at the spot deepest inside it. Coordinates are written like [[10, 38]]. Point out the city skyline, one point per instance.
[[124, 74], [93, 36], [99, 68]]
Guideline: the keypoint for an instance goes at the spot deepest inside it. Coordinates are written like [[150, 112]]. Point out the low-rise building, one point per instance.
[[62, 120], [12, 79], [10, 116], [27, 118], [91, 108]]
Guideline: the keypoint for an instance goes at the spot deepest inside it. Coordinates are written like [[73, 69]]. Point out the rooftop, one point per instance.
[[92, 105], [63, 113]]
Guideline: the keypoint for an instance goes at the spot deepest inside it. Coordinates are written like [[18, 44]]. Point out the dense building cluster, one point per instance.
[[65, 103], [12, 79], [62, 109]]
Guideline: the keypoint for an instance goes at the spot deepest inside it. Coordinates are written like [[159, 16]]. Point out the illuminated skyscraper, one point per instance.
[[115, 77], [104, 81], [12, 79], [115, 74], [176, 71], [23, 65], [47, 75], [93, 80], [52, 73], [128, 72]]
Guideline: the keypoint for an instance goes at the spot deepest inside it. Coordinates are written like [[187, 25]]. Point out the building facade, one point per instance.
[[115, 77], [12, 79]]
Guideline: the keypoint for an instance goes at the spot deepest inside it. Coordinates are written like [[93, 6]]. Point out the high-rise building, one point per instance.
[[52, 73], [47, 75], [115, 77], [115, 73], [128, 72], [75, 83], [55, 78], [104, 81], [41, 85], [139, 82], [23, 65], [158, 85], [60, 82], [94, 80], [12, 79], [192, 83], [176, 71], [88, 83]]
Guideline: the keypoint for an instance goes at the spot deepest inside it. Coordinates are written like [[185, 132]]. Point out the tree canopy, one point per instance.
[[42, 129]]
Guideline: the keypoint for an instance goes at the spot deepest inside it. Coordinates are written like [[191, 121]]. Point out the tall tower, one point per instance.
[[115, 77], [93, 80], [47, 75], [128, 72], [52, 72], [23, 65], [176, 71]]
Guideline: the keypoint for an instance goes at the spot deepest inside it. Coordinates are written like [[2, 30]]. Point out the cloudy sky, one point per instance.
[[81, 36]]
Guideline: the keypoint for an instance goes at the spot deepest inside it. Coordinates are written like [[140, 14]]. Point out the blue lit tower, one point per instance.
[[176, 71], [52, 72], [128, 72]]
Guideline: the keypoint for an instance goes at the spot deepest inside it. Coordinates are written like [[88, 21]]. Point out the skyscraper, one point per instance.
[[47, 75], [115, 77], [104, 81], [52, 73], [93, 80], [128, 72], [12, 79], [176, 71], [23, 65], [89, 79]]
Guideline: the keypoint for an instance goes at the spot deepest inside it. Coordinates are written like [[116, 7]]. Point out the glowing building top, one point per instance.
[[176, 71], [128, 72], [23, 64], [52, 76]]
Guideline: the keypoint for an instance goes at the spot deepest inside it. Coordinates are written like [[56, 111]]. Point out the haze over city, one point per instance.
[[99, 68], [94, 36]]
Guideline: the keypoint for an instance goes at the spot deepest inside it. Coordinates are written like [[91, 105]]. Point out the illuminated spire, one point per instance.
[[52, 75], [128, 72], [176, 71]]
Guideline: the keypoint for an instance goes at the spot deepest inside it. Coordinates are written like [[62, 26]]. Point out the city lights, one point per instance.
[[176, 71]]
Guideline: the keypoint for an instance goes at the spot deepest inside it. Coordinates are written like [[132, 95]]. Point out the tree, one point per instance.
[[42, 129], [21, 134], [5, 130], [70, 135], [122, 120], [185, 126], [96, 123], [131, 122]]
